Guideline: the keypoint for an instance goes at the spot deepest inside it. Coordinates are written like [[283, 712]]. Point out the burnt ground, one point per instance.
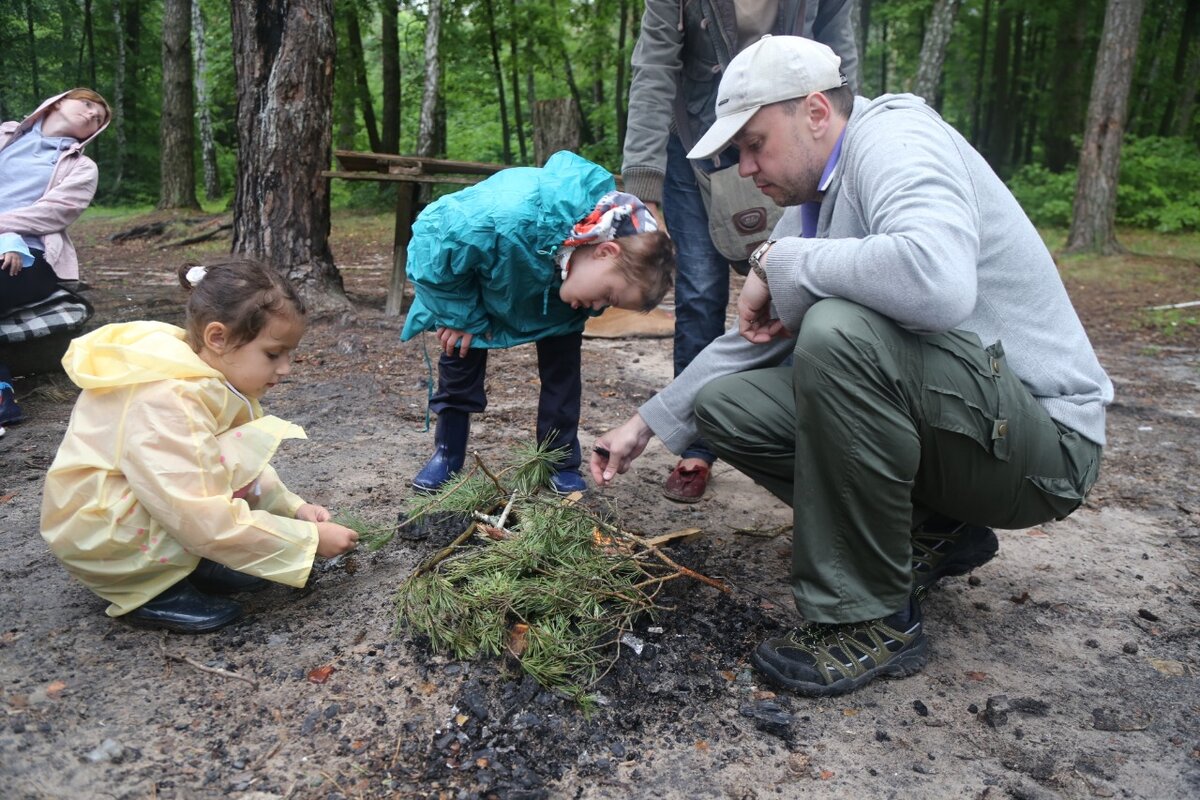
[[1066, 667]]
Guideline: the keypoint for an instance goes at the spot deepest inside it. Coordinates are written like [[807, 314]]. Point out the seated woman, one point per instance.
[[46, 182]]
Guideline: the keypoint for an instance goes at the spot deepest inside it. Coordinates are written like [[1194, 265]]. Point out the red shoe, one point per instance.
[[686, 484]]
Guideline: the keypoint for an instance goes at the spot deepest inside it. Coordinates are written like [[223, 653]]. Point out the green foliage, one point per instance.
[[1158, 188], [1046, 197]]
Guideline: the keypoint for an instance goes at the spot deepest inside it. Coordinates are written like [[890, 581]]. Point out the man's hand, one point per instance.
[[10, 262], [754, 312], [656, 210], [452, 339], [615, 451]]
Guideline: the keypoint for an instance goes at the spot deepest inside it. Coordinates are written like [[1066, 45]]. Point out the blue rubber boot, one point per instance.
[[566, 481], [10, 412], [449, 452]]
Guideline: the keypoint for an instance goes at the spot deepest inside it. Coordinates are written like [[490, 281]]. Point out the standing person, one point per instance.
[[527, 256], [681, 53], [161, 496], [46, 182], [940, 373]]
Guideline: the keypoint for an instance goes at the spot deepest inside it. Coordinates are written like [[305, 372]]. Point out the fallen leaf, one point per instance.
[[1176, 669], [702, 745], [428, 688], [461, 719], [849, 712], [481, 763], [826, 774], [517, 639], [494, 533], [1020, 599], [1036, 532], [4, 498], [976, 675], [320, 674], [54, 689], [727, 675]]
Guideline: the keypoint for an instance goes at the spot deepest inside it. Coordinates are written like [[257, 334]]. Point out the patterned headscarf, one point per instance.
[[616, 215]]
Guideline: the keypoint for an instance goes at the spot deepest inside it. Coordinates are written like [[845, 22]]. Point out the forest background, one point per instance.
[[1016, 83]]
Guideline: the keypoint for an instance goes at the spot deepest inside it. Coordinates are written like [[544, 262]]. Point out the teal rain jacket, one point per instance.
[[481, 260]]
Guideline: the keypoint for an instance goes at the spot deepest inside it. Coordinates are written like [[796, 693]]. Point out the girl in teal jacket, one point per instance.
[[527, 256]]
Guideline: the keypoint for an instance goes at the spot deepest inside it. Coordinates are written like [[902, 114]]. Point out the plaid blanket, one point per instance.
[[60, 311]]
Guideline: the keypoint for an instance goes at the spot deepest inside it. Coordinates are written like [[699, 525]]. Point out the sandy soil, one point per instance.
[[1067, 667]]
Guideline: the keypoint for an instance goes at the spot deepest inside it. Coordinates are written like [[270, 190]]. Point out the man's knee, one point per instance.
[[837, 332], [713, 403]]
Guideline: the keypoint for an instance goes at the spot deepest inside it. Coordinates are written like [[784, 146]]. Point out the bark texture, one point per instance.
[[283, 53], [177, 139], [1100, 160], [427, 132], [933, 50]]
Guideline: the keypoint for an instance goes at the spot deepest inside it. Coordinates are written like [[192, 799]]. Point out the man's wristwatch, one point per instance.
[[756, 259]]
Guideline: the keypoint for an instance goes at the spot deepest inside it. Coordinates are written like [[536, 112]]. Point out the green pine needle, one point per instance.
[[576, 592]]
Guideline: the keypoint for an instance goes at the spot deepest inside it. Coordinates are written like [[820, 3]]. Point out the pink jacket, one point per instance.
[[70, 191]]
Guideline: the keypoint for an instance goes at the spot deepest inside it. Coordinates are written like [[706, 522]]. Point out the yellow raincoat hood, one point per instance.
[[163, 464]]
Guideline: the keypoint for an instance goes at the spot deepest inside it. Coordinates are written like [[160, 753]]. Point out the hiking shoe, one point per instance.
[[943, 547], [213, 578], [820, 660]]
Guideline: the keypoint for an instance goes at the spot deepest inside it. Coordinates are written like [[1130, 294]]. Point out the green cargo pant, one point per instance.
[[873, 429]]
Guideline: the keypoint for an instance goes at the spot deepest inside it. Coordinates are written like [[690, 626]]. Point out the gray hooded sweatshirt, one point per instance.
[[916, 226]]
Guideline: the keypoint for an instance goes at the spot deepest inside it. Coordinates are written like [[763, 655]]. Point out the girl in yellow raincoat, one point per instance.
[[161, 495]]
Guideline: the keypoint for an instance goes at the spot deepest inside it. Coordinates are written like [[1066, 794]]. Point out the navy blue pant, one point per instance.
[[461, 388], [30, 284]]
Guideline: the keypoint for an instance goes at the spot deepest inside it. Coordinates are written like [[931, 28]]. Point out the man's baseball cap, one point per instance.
[[773, 69]]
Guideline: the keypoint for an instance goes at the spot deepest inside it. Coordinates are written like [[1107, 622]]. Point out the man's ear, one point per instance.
[[215, 337], [820, 112]]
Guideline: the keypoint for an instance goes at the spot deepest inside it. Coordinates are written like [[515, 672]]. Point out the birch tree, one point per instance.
[[933, 50], [208, 149]]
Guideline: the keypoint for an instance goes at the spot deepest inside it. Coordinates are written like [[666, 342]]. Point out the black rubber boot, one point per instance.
[[450, 450], [214, 578], [182, 608]]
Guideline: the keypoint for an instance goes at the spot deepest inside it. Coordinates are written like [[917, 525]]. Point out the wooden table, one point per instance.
[[408, 172]]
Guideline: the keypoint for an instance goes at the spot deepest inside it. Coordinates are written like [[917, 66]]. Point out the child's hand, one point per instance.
[[334, 539], [310, 512], [453, 339]]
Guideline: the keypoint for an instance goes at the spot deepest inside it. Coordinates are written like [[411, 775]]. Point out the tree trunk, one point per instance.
[[177, 175], [1187, 95], [515, 79], [1066, 91], [283, 56], [862, 29], [427, 137], [1186, 91], [933, 50], [980, 74], [33, 63], [345, 92], [389, 45], [359, 66], [208, 149], [572, 85], [89, 33], [620, 106], [1100, 161], [494, 39], [555, 127], [118, 98]]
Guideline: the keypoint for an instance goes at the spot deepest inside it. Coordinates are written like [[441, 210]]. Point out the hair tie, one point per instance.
[[195, 275]]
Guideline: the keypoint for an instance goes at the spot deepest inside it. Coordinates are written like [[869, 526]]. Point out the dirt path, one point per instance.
[[1067, 667]]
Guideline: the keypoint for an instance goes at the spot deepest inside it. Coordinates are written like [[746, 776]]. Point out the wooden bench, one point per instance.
[[409, 173]]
